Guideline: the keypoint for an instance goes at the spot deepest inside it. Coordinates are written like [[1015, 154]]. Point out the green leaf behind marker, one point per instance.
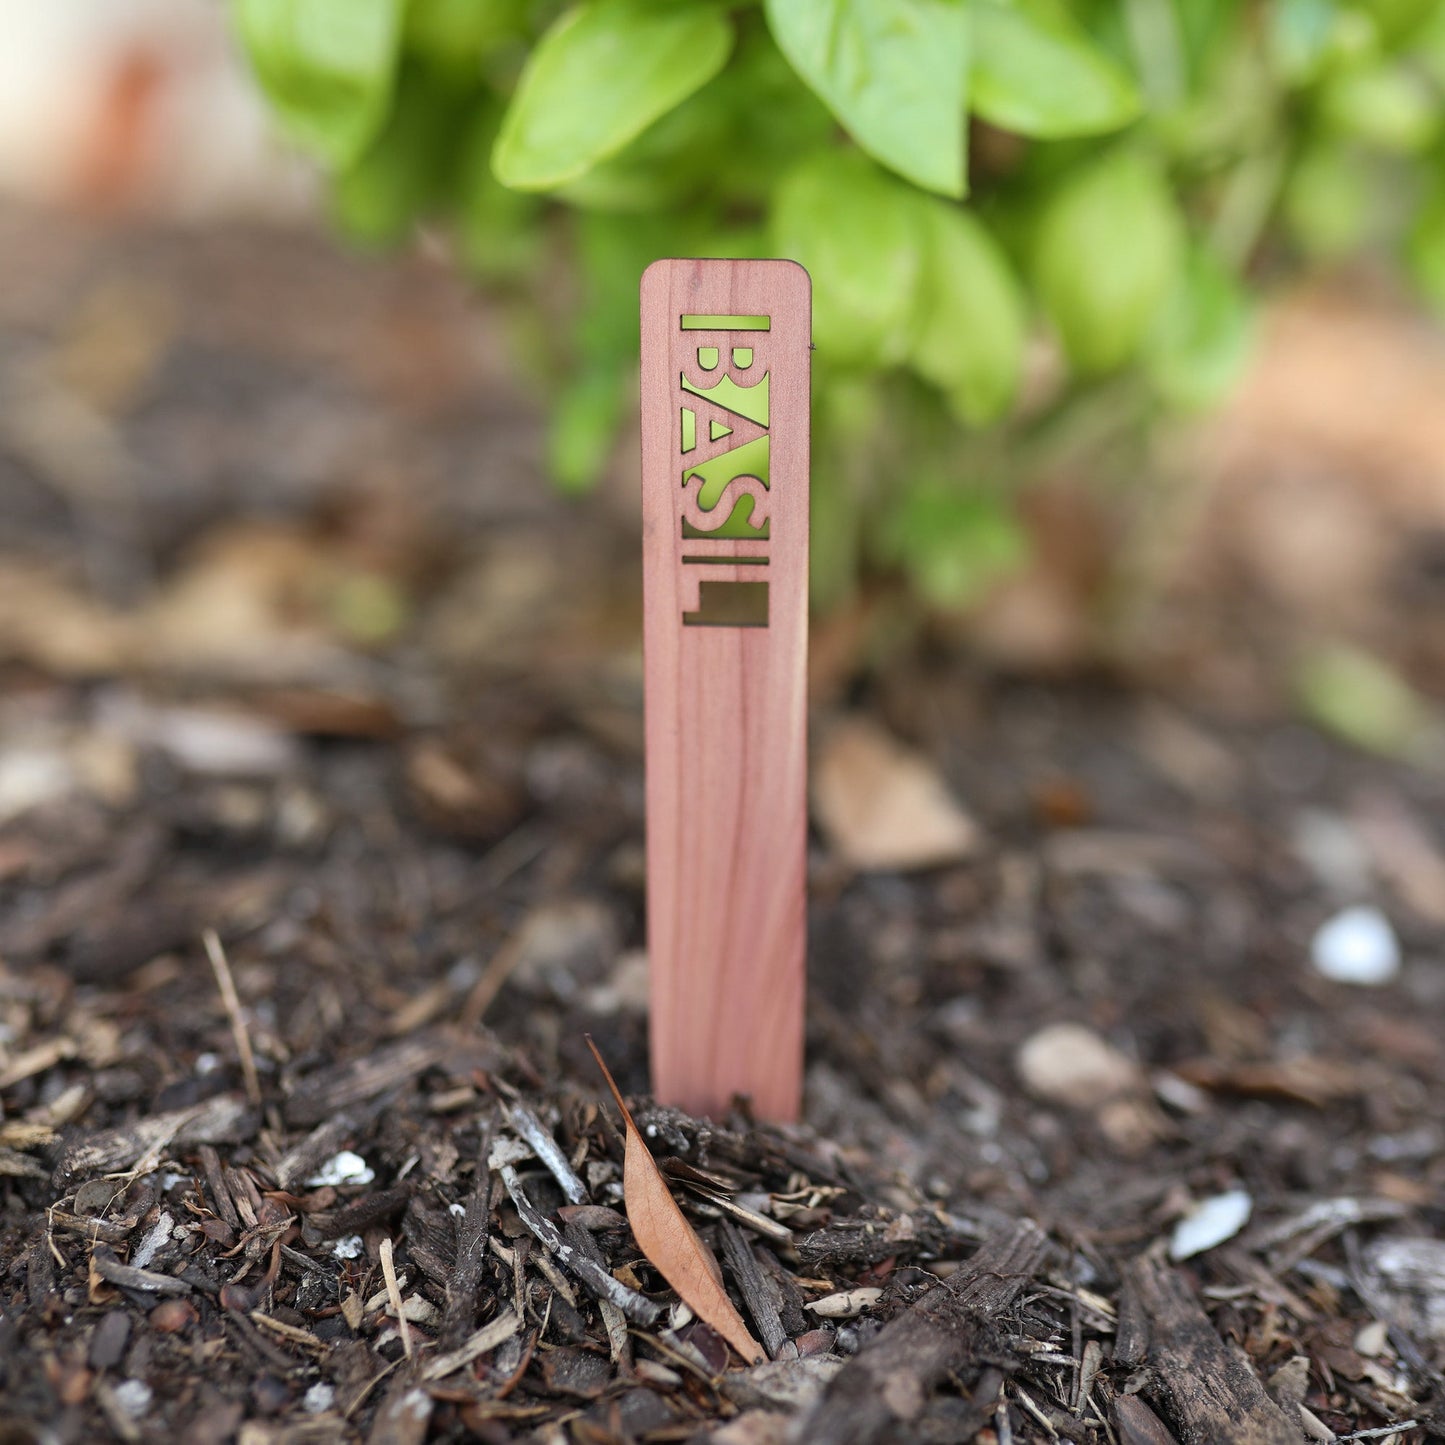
[[599, 77], [327, 66], [858, 232], [1037, 72], [894, 73]]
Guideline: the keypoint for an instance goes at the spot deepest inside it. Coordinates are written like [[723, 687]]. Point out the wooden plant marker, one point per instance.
[[725, 390]]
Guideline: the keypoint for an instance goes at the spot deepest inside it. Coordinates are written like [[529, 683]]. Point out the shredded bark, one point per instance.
[[887, 1384]]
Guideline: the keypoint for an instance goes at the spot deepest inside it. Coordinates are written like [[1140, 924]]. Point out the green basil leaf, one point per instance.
[[1205, 336], [1107, 254], [670, 165], [1427, 49], [327, 67], [858, 233], [971, 321], [1328, 200], [1391, 107], [600, 76], [1299, 34], [456, 34], [406, 170], [1037, 72], [1425, 247], [1359, 697], [956, 541], [894, 73], [1399, 21], [583, 426]]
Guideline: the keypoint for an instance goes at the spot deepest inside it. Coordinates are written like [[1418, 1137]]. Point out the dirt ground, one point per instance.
[[320, 857]]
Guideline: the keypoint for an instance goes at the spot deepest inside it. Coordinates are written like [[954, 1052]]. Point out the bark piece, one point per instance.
[[321, 1095], [304, 1158], [761, 1301], [1212, 1391], [464, 1288], [226, 1119], [887, 1384], [127, 1276], [1137, 1424]]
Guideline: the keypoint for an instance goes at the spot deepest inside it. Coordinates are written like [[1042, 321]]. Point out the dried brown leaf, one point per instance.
[[670, 1243], [883, 806]]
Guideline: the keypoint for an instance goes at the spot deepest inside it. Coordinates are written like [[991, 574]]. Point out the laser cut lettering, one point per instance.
[[725, 491]]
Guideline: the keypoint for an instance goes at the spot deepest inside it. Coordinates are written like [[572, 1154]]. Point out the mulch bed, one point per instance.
[[346, 1170]]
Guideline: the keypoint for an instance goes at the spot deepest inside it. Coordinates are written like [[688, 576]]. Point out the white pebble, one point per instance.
[[1071, 1065], [134, 1397], [349, 1246], [1210, 1222], [318, 1399], [343, 1168], [1357, 946]]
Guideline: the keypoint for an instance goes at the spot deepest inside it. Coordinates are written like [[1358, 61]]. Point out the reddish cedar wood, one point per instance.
[[725, 432]]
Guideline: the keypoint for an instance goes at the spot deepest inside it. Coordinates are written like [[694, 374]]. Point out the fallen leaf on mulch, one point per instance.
[[882, 806], [669, 1241]]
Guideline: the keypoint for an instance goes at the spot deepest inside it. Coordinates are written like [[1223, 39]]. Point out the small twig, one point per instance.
[[599, 1280], [493, 977], [484, 1340], [544, 1146], [1026, 1401], [1381, 1430], [1001, 1424], [366, 1389], [232, 1000], [393, 1292]]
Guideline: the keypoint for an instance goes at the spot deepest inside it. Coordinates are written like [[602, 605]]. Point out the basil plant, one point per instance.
[[1032, 225]]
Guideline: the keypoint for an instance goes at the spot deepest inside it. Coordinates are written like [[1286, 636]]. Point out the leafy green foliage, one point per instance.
[[970, 319], [1203, 340], [327, 66], [853, 226], [597, 79], [399, 176], [1356, 696], [1107, 256], [894, 72], [956, 541], [1037, 73], [1135, 170], [1426, 246]]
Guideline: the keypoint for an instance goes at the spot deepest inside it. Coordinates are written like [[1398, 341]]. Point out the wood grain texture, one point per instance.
[[1210, 1388], [881, 1393], [726, 699]]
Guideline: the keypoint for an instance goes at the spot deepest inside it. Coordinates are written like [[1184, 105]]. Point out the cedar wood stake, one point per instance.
[[725, 388]]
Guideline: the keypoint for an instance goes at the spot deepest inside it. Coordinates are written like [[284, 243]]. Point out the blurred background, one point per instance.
[[1244, 498]]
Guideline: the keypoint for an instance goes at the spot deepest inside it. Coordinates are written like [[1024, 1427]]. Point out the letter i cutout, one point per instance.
[[725, 434]]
